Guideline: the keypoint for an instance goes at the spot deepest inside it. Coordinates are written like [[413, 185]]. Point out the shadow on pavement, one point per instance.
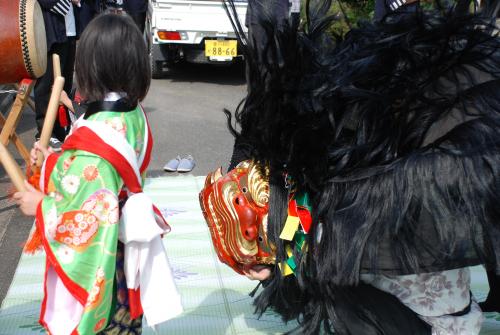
[[233, 74]]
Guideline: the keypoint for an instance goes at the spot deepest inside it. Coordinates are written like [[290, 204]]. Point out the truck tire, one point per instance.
[[156, 66], [156, 69]]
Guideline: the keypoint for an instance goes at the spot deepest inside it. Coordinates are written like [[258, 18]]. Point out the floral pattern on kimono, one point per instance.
[[80, 222]]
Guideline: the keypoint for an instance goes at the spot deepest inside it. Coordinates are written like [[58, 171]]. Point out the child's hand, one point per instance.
[[36, 149], [258, 272], [28, 200]]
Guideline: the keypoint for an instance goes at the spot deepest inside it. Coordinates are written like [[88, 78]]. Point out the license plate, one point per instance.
[[221, 48]]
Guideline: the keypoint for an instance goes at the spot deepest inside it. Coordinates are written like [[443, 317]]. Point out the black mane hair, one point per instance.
[[394, 131]]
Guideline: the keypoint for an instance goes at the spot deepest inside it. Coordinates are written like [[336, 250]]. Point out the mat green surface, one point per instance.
[[215, 298]]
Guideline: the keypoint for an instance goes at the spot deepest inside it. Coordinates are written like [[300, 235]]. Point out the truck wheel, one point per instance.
[[156, 69]]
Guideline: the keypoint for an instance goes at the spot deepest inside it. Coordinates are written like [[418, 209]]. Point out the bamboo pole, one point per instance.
[[52, 108], [50, 116], [13, 170], [56, 65]]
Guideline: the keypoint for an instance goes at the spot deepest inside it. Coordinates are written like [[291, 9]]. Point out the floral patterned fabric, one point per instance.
[[468, 324], [81, 216], [442, 299]]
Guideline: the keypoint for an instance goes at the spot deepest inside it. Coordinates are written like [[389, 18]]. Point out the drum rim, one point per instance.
[[32, 38], [23, 4]]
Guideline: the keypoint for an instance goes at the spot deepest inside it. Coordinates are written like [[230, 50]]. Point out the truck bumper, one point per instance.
[[165, 53], [174, 52]]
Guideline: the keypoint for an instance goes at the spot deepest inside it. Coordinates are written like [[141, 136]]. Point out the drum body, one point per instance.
[[23, 45]]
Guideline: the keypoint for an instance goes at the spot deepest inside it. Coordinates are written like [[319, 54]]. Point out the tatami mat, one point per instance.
[[215, 298]]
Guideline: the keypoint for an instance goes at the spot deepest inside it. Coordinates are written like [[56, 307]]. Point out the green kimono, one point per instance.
[[79, 220]]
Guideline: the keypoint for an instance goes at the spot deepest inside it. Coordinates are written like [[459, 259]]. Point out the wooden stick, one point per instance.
[[56, 64], [12, 169], [50, 116], [31, 103], [16, 140], [8, 128]]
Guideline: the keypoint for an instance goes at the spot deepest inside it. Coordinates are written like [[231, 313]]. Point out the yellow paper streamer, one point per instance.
[[286, 270], [291, 226]]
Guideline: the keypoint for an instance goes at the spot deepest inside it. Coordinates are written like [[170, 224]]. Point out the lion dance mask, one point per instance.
[[235, 207]]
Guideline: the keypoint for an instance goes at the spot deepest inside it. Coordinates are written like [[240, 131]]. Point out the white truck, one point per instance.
[[197, 31]]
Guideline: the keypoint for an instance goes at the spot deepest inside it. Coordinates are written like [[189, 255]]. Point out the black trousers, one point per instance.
[[139, 19], [86, 12], [43, 86], [492, 303]]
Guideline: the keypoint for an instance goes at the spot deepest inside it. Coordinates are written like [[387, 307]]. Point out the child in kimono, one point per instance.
[[79, 214]]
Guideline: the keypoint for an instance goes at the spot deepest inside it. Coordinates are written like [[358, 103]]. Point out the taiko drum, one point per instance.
[[23, 46]]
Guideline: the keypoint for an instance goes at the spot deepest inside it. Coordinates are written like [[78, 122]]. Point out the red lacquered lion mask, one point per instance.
[[235, 207]]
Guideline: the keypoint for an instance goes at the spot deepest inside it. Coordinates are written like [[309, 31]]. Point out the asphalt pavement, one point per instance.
[[185, 113]]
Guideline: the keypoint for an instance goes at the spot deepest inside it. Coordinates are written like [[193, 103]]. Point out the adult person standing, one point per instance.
[[382, 8], [349, 95], [87, 10], [61, 33], [136, 9]]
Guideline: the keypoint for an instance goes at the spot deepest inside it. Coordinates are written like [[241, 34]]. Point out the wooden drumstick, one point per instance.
[[12, 169], [50, 116], [56, 64]]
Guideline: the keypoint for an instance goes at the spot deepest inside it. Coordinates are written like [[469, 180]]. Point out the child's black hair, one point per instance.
[[112, 57]]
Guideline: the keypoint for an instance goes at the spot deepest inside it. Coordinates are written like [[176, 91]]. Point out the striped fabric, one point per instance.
[[395, 4], [294, 6], [61, 7]]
